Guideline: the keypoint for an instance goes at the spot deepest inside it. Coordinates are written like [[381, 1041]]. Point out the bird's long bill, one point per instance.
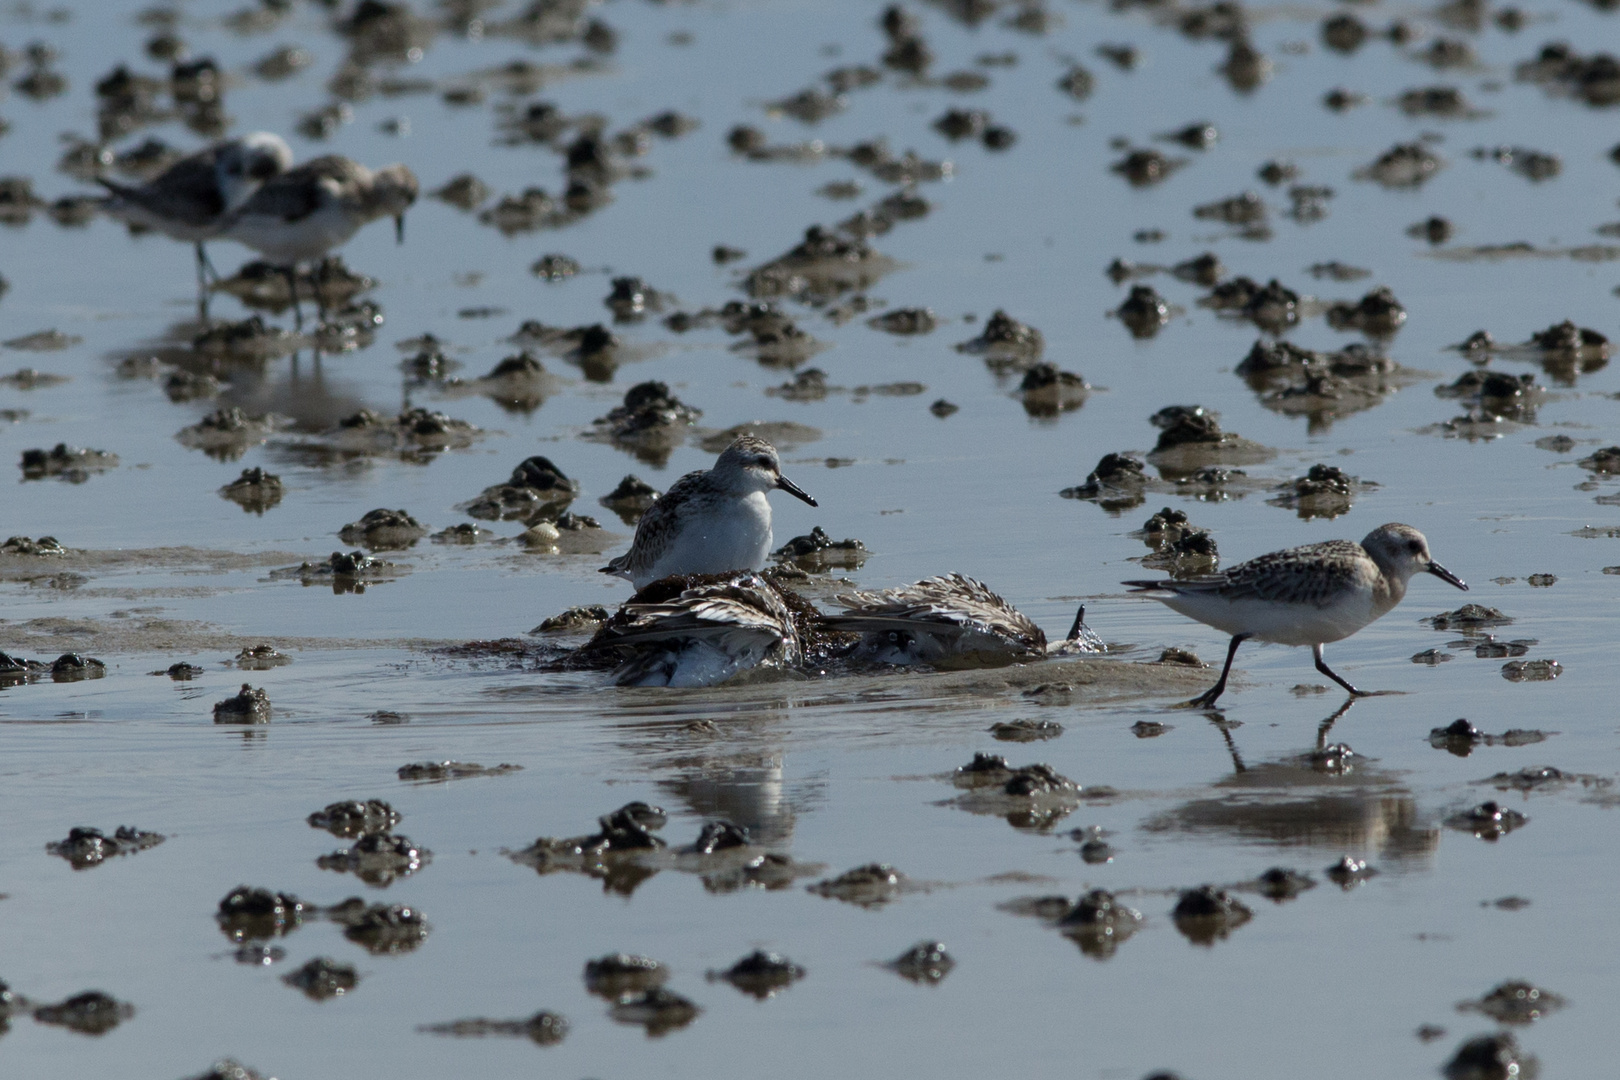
[[399, 228], [794, 490], [1446, 575]]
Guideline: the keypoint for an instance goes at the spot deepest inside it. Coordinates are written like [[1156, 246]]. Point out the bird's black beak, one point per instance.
[[794, 490], [1446, 575], [399, 228]]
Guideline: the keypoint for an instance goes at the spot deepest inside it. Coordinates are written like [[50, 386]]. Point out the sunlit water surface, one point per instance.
[[1332, 984]]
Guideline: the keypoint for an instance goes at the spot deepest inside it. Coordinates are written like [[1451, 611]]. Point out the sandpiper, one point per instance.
[[710, 522], [305, 212], [192, 200], [1308, 595], [947, 621], [701, 634]]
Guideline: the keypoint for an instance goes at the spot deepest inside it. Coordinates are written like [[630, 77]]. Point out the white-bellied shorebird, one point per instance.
[[306, 212], [1307, 595], [193, 199], [710, 522]]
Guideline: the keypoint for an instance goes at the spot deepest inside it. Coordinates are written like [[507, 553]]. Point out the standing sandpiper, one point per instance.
[[192, 200], [710, 522], [306, 212], [1303, 596]]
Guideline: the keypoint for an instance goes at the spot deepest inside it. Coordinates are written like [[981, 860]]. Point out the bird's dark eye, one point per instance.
[[1413, 546]]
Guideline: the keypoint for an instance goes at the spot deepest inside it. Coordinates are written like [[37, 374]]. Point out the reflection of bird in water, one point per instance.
[[688, 633], [193, 199], [1307, 595], [306, 212], [710, 522], [1384, 822], [946, 621], [742, 789], [1328, 798]]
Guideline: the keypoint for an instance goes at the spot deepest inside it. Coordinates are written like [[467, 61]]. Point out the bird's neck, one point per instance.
[[1389, 590], [744, 487]]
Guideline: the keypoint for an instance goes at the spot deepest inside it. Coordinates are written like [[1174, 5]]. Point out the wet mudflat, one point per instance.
[[1463, 875]]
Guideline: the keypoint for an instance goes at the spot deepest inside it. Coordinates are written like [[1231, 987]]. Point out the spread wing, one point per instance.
[[709, 618], [949, 604], [746, 605]]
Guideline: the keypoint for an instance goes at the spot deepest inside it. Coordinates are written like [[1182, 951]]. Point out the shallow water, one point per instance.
[[851, 771]]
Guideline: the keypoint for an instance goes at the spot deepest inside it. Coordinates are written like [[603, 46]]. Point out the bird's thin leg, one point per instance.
[[292, 291], [204, 264], [1210, 696], [203, 268], [1321, 665]]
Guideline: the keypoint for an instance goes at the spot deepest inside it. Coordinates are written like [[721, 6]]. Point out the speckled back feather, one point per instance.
[[1313, 574], [707, 605], [657, 525], [944, 604]]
